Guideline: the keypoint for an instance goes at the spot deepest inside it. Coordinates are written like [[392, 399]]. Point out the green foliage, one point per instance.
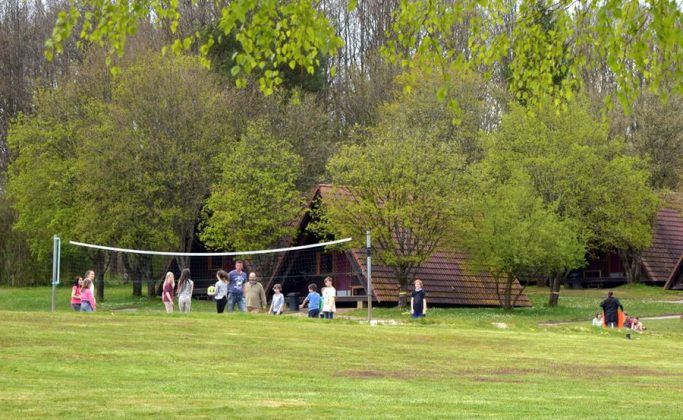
[[42, 177], [133, 171], [549, 43], [515, 235], [255, 201], [656, 133], [153, 153], [404, 187], [272, 33], [573, 165]]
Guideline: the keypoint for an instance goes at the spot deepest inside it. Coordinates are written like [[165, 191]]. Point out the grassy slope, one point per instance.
[[119, 364]]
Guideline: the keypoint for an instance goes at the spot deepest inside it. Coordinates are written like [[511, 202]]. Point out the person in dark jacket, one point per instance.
[[611, 306]]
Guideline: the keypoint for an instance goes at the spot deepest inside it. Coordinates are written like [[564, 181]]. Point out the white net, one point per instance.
[[143, 271]]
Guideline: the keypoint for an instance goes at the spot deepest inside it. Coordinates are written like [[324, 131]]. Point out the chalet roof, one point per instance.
[[664, 255], [445, 279], [444, 275]]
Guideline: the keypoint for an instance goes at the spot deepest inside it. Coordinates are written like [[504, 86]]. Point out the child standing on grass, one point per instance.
[[329, 296], [167, 292], [278, 303], [221, 295], [88, 303], [313, 300], [76, 294], [418, 301], [185, 288]]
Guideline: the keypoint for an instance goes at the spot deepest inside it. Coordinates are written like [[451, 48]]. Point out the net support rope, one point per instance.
[[210, 254]]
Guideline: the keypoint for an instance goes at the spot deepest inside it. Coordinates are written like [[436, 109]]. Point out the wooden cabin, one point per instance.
[[445, 278]]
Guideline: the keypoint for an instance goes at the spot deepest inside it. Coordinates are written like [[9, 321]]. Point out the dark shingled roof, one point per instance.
[[445, 278], [661, 259]]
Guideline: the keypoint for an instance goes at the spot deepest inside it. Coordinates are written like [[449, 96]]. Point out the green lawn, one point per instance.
[[456, 363]]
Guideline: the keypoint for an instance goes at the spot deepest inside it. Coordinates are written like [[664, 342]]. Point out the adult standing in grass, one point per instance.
[[611, 307], [88, 303], [76, 294], [221, 287], [255, 294], [329, 297], [185, 288], [236, 289], [167, 292]]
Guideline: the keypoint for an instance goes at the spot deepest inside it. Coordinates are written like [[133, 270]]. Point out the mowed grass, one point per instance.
[[455, 364]]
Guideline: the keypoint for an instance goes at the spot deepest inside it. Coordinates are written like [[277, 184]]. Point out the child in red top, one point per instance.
[[167, 292], [88, 303], [76, 294]]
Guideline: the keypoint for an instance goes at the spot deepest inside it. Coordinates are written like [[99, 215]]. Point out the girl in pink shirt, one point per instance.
[[167, 293], [88, 303], [76, 294]]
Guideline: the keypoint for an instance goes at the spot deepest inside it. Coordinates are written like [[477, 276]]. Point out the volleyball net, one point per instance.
[[294, 268]]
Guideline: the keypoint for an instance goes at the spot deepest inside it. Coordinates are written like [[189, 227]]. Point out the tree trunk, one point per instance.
[[507, 298], [133, 268], [402, 291], [631, 261], [555, 283], [183, 261], [99, 275]]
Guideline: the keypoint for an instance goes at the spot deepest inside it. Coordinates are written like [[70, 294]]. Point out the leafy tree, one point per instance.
[[150, 157], [574, 165], [514, 235], [655, 131], [637, 39], [403, 185], [254, 201]]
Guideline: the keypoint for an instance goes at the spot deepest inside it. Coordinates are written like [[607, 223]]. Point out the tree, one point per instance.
[[253, 203], [514, 235], [655, 131], [574, 165], [149, 157], [638, 40], [133, 171], [403, 185]]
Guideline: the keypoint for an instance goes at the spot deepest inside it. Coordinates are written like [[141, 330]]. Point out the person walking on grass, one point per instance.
[[90, 275], [221, 291], [313, 300], [418, 301], [255, 294], [278, 303], [88, 303], [329, 297], [611, 307], [167, 292], [185, 288], [76, 294], [237, 287]]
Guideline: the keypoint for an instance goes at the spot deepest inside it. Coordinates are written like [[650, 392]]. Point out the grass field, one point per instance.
[[456, 363]]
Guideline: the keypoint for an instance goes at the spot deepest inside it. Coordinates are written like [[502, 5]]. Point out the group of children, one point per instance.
[[632, 323], [323, 306], [82, 293], [184, 291]]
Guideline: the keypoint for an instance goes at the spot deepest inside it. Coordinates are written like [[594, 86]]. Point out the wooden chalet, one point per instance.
[[662, 262], [445, 278]]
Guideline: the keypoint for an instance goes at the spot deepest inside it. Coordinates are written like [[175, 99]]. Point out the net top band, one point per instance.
[[210, 254]]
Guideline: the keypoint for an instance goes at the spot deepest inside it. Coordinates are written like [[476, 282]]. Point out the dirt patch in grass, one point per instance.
[[376, 374], [601, 371], [496, 380]]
